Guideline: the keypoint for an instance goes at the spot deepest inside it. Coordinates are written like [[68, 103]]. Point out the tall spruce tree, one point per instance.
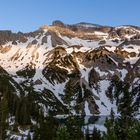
[[87, 134], [63, 134], [126, 110], [46, 129], [74, 125], [3, 117], [110, 134], [96, 134]]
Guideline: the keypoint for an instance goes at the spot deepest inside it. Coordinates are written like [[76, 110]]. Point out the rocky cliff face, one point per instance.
[[71, 68]]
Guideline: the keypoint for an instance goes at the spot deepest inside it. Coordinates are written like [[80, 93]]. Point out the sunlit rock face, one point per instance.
[[72, 68]]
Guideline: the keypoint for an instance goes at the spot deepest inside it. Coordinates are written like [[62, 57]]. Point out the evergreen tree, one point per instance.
[[62, 134], [3, 117], [110, 125], [74, 125], [126, 109], [110, 134], [22, 112], [137, 130], [87, 134], [96, 134], [125, 127], [46, 129]]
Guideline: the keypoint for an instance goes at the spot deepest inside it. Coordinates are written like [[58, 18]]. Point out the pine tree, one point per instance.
[[46, 129], [3, 117], [110, 134], [74, 125], [68, 97], [62, 134], [96, 134], [126, 109], [22, 112], [87, 134], [125, 127], [135, 131], [111, 126], [137, 128]]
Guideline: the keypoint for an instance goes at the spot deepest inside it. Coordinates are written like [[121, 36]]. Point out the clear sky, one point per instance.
[[28, 15]]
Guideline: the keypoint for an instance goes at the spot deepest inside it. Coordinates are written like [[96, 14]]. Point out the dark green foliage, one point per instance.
[[115, 89], [125, 127], [46, 129], [62, 134], [5, 85], [23, 112], [3, 117], [68, 92], [49, 129], [87, 134], [135, 132], [73, 92], [74, 127], [116, 131], [125, 107], [25, 107], [96, 134], [111, 128], [111, 134]]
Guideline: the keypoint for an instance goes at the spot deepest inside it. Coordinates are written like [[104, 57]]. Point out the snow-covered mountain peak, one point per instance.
[[76, 66]]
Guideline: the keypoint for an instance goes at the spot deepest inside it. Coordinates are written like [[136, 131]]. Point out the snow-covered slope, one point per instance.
[[72, 67]]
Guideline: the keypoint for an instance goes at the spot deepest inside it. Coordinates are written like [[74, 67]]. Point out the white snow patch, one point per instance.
[[91, 127], [69, 50], [81, 42], [123, 73], [101, 73], [104, 103], [87, 111], [100, 33], [111, 48], [132, 48], [132, 60], [85, 73]]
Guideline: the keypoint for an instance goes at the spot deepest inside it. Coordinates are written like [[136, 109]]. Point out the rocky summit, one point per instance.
[[77, 69]]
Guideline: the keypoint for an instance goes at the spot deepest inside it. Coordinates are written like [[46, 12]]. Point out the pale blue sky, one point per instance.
[[28, 15]]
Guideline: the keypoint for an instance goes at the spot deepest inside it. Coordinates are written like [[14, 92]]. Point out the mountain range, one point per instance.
[[77, 69]]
